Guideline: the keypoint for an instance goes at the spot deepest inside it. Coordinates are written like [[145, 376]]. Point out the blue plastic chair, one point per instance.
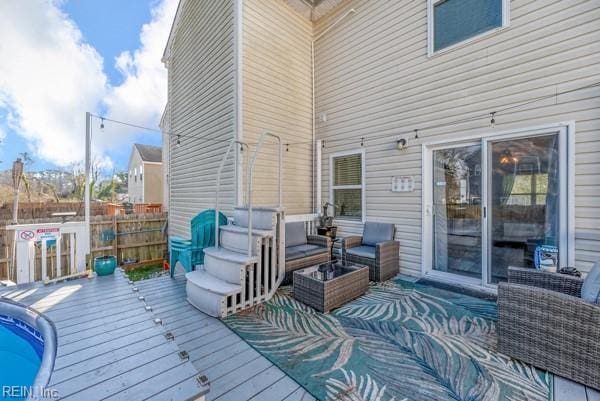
[[191, 252], [180, 250]]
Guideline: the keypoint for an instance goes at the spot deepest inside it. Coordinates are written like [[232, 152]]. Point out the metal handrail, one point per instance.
[[219, 172], [249, 184]]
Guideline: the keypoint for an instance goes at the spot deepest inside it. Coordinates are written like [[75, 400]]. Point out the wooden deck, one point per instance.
[[109, 348], [235, 370]]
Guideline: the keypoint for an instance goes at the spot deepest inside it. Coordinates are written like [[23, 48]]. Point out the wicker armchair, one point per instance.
[[303, 250], [376, 248], [543, 321]]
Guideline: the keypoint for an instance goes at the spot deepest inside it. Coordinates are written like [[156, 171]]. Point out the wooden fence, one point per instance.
[[39, 210], [134, 237]]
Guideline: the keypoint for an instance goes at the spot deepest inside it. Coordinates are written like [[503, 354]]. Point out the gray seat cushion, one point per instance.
[[295, 234], [375, 233], [590, 291], [302, 251], [364, 251]]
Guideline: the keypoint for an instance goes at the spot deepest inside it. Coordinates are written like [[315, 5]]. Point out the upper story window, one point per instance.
[[141, 171], [347, 185], [453, 22]]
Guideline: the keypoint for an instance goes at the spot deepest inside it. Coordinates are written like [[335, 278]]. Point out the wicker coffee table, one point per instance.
[[345, 283]]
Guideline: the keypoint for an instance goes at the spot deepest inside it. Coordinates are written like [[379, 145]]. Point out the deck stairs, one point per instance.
[[247, 263]]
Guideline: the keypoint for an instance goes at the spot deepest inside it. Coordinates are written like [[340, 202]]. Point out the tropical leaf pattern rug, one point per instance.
[[400, 341]]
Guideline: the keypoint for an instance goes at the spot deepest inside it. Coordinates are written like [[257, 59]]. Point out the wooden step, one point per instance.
[[202, 279], [263, 218], [235, 238], [227, 265]]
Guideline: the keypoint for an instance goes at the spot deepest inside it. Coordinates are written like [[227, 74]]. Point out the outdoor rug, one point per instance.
[[401, 341]]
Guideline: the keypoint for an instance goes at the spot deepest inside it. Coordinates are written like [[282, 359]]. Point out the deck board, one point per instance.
[[592, 395], [281, 389], [108, 344], [566, 390], [235, 370], [113, 349]]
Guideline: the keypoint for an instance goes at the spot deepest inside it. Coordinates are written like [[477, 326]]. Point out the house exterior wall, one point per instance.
[[373, 77], [135, 186], [152, 182], [277, 97], [201, 109], [166, 129]]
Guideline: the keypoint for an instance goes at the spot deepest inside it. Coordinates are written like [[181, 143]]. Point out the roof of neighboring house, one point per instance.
[[149, 153]]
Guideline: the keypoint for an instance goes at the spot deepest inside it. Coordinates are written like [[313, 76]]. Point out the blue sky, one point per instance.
[[111, 26], [101, 56]]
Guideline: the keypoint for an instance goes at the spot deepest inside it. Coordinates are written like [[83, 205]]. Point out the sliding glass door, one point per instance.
[[457, 224], [491, 203], [523, 200]]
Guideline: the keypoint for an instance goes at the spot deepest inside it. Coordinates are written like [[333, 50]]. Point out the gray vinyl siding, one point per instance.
[[277, 98], [373, 78], [202, 109], [165, 126]]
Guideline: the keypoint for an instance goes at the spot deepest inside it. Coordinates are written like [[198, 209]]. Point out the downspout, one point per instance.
[[316, 201], [239, 123]]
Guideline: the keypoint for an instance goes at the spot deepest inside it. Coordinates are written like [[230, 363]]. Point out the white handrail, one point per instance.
[[251, 170], [219, 172]]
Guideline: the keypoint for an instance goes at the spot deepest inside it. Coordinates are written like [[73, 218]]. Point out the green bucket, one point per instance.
[[105, 265]]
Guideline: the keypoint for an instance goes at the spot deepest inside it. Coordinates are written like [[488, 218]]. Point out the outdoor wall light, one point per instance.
[[401, 143]]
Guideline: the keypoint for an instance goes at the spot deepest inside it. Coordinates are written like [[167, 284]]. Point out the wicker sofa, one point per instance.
[[376, 248], [302, 250], [543, 321]]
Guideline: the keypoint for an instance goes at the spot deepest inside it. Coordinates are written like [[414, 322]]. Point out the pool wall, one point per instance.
[[45, 327]]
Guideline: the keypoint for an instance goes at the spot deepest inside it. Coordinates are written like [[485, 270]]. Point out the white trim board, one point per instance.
[[239, 97]]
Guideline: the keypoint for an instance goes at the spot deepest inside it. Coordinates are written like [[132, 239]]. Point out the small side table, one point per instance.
[[327, 231], [335, 241], [349, 281]]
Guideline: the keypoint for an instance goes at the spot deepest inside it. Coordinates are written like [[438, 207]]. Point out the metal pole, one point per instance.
[[88, 144], [17, 174], [15, 206]]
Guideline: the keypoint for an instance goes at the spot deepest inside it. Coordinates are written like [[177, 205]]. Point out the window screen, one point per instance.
[[347, 186], [458, 20]]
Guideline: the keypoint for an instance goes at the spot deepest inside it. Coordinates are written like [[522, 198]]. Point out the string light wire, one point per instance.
[[373, 137]]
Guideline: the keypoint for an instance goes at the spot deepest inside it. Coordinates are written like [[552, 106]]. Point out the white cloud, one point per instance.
[[142, 96], [49, 78]]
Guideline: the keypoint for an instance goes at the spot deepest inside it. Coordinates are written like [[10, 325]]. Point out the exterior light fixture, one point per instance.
[[401, 143], [102, 123]]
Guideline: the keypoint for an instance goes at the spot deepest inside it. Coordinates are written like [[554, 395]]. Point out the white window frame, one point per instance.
[[362, 186], [430, 27]]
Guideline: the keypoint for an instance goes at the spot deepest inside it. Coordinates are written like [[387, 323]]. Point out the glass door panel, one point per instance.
[[523, 201], [457, 189]]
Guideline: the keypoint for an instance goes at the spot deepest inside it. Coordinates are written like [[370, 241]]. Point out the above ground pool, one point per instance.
[[27, 351]]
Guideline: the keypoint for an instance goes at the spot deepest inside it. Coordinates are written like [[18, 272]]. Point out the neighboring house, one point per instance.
[[486, 122], [145, 181]]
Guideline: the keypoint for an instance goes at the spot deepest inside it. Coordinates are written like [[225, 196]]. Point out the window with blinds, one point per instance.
[[347, 186], [455, 21]]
